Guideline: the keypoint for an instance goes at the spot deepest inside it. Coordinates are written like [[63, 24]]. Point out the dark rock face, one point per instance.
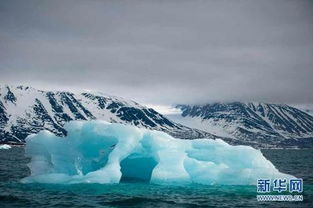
[[9, 97], [259, 123], [25, 110]]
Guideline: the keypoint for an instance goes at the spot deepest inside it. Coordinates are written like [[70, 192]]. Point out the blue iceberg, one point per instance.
[[101, 152]]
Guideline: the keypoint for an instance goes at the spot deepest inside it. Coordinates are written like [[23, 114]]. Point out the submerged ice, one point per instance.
[[101, 152]]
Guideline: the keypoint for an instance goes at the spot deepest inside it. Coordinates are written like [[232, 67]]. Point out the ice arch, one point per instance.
[[101, 152], [137, 168]]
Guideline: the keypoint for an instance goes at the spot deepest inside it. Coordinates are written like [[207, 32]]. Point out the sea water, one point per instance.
[[13, 193]]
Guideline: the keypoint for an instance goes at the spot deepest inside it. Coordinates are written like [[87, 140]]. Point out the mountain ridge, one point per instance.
[[25, 110], [250, 122]]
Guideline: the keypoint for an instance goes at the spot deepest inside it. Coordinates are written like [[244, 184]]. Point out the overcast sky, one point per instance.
[[162, 52]]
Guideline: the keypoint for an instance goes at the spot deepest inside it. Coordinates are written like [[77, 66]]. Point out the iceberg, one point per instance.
[[102, 152], [5, 146]]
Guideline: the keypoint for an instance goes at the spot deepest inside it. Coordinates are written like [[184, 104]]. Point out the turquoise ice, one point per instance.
[[101, 152]]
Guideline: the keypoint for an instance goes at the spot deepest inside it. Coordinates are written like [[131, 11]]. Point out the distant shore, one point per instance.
[[13, 144], [270, 148]]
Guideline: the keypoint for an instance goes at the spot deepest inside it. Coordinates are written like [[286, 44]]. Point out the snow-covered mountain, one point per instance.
[[308, 108], [255, 124], [25, 110]]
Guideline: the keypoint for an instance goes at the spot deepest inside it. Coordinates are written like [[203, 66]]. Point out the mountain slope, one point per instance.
[[256, 124], [25, 110], [308, 108]]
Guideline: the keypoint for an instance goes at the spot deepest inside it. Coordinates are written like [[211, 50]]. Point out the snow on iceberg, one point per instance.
[[5, 146], [101, 152]]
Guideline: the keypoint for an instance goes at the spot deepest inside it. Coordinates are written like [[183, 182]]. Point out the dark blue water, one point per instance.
[[14, 194]]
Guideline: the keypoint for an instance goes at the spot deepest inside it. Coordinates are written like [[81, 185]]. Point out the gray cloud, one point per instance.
[[162, 52]]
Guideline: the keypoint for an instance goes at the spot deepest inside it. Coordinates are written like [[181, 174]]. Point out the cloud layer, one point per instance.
[[162, 52]]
